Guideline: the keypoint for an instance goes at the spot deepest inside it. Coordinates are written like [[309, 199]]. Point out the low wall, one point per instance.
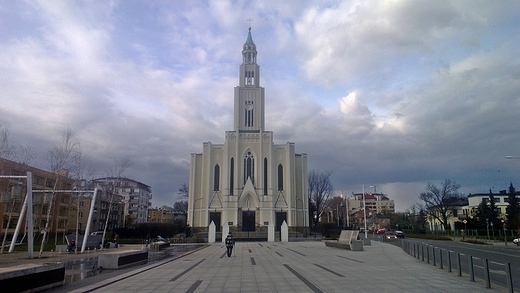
[[32, 277], [120, 259]]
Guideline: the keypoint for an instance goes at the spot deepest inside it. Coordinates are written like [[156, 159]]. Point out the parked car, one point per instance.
[[390, 236], [516, 241], [381, 231], [399, 234]]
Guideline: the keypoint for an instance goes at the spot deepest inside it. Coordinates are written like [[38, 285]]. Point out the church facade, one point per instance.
[[248, 182]]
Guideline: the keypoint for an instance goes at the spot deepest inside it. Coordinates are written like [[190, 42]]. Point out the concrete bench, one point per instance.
[[122, 258], [348, 239], [159, 245], [32, 277]]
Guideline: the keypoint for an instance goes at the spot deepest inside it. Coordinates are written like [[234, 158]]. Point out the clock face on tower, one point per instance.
[[249, 105]]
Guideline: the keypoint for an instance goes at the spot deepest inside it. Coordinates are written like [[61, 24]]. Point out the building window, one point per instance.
[[265, 176], [216, 178], [249, 114], [231, 176], [280, 177], [80, 215], [249, 166]]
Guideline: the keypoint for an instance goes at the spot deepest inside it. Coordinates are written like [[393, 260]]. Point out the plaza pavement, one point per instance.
[[285, 267]]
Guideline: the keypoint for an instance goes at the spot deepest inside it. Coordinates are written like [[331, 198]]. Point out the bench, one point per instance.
[[348, 239], [32, 277], [120, 259]]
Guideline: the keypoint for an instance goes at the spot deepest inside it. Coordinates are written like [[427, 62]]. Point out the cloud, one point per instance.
[[393, 94]]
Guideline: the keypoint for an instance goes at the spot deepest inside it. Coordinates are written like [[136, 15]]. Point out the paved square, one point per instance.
[[291, 267]]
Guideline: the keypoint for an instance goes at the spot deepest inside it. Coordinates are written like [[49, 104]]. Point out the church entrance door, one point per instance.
[[248, 221], [215, 218], [280, 217]]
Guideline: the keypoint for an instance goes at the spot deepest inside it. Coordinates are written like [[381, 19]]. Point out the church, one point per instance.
[[248, 183]]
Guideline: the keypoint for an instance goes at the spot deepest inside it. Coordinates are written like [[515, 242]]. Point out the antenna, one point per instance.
[[250, 20]]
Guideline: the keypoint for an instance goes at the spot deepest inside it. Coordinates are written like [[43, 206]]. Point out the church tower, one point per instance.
[[249, 96], [248, 183]]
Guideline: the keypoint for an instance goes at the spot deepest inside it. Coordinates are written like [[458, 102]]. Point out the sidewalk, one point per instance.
[[22, 257], [286, 267]]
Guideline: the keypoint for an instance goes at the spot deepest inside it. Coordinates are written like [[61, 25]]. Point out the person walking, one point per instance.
[[230, 243]]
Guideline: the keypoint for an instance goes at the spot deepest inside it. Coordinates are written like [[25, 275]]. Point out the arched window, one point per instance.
[[231, 176], [265, 176], [249, 167], [248, 114], [216, 179], [280, 177]]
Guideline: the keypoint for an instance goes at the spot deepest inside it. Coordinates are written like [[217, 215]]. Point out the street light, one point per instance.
[[345, 202], [365, 210], [303, 215]]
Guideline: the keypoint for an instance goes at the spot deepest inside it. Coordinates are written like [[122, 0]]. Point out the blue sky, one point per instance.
[[387, 93]]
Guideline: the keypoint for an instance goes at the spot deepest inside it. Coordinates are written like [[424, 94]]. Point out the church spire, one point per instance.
[[249, 38], [249, 50]]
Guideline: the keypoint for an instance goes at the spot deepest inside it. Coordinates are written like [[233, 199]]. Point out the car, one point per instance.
[[390, 236], [516, 241], [381, 231], [399, 234]]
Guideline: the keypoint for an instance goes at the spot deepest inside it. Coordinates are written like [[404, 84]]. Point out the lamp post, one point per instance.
[[365, 210], [303, 215], [344, 203]]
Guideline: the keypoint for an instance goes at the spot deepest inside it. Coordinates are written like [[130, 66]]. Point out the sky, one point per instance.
[[392, 94]]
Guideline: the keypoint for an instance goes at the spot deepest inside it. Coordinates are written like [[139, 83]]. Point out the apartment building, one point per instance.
[[48, 206], [134, 195]]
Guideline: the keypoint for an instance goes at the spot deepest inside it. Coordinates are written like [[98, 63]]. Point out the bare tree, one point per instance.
[[119, 166], [60, 158], [80, 169], [320, 190], [80, 165], [7, 148], [61, 155], [117, 169], [181, 205], [25, 154], [439, 203]]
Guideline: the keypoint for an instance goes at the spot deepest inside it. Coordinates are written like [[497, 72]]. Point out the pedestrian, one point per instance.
[[72, 246], [116, 237], [230, 243]]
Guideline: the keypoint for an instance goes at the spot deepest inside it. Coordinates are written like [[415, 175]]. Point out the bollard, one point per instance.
[[449, 261], [440, 259], [434, 259], [485, 262], [422, 252], [459, 264], [471, 269], [428, 253], [509, 278], [414, 245]]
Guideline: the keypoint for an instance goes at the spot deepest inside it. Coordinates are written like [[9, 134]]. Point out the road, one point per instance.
[[497, 255]]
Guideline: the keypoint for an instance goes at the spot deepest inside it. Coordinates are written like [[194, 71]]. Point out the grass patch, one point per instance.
[[430, 236], [474, 241], [36, 246]]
